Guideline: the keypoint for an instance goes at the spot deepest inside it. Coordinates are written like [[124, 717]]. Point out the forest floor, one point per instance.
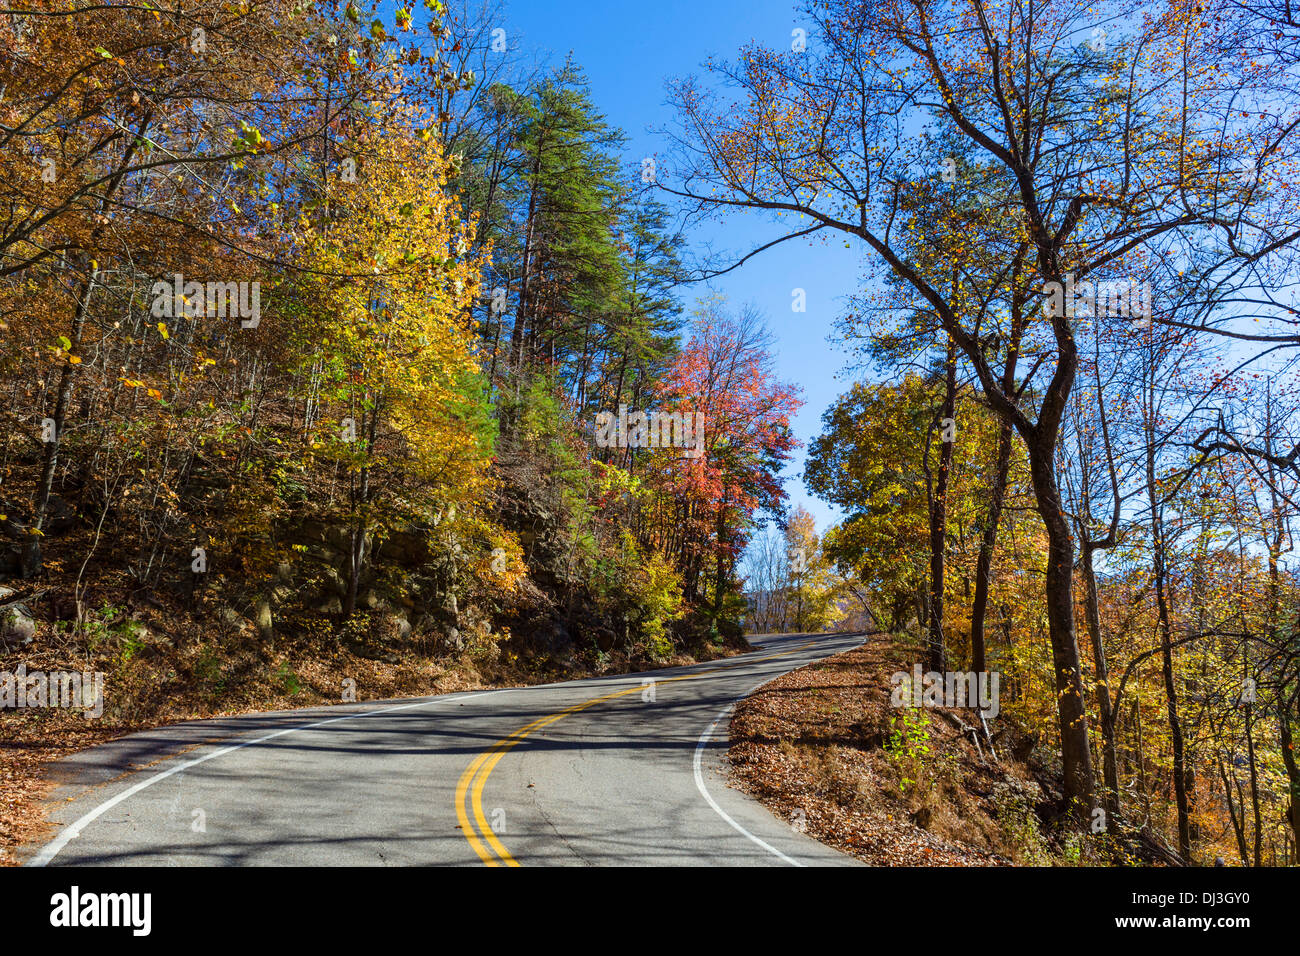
[[822, 748], [168, 676]]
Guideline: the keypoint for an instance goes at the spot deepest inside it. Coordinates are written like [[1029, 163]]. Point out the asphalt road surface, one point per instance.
[[608, 771]]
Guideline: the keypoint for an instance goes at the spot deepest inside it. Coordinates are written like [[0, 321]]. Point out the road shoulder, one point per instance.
[[814, 747]]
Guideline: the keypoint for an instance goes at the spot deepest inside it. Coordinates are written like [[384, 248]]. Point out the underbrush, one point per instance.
[[895, 786]]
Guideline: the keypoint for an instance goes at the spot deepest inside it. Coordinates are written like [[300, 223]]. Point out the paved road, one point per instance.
[[605, 771]]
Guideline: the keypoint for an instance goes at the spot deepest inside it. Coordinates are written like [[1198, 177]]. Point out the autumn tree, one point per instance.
[[1083, 146]]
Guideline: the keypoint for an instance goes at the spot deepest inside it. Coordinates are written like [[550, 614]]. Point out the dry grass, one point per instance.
[[817, 747]]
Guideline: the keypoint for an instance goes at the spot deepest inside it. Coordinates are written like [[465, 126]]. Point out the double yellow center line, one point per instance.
[[469, 789]]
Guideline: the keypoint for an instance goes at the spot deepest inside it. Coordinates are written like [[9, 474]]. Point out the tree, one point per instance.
[[1083, 148], [708, 501], [392, 349]]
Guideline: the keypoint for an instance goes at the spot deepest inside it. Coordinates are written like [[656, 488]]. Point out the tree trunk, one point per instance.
[[997, 496], [521, 312], [1101, 672], [1072, 719], [988, 542], [1254, 783], [718, 573], [936, 646], [1292, 774], [1238, 826], [1167, 657], [357, 543], [31, 558]]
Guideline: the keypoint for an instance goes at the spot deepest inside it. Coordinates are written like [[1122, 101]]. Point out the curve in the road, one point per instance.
[[469, 789], [388, 783], [705, 738]]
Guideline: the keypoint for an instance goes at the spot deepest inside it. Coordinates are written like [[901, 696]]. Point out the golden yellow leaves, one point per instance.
[[153, 393]]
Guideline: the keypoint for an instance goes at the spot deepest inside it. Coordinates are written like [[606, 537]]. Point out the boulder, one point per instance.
[[560, 637], [280, 595], [263, 618], [424, 623], [453, 640], [340, 539], [605, 639], [60, 516], [334, 582], [310, 529], [17, 627]]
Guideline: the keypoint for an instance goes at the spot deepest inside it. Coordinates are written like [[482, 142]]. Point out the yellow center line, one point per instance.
[[475, 777]]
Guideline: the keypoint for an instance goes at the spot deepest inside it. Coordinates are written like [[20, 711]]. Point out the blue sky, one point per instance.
[[628, 51]]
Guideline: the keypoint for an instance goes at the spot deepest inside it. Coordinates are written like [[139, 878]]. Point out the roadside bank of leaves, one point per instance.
[[823, 749]]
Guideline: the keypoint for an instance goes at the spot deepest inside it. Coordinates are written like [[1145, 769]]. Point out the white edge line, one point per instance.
[[699, 778], [73, 830], [48, 852]]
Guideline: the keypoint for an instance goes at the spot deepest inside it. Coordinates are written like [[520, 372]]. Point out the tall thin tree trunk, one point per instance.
[[1292, 774], [988, 544], [521, 313], [1072, 719], [997, 496], [1167, 665], [1101, 674], [31, 558], [1254, 783], [936, 650], [1237, 821]]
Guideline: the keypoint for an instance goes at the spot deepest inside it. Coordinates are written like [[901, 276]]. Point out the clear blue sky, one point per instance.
[[628, 51]]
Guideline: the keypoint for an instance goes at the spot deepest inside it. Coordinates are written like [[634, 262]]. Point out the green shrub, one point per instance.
[[908, 748]]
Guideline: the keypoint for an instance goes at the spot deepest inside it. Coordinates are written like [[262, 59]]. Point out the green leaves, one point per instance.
[[248, 138]]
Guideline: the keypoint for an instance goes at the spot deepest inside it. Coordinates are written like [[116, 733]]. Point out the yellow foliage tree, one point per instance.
[[383, 320]]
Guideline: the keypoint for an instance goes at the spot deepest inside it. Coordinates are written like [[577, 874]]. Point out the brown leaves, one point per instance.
[[808, 745]]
